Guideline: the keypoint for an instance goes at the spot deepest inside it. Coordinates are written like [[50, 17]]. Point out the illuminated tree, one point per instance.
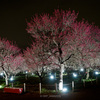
[[56, 32], [65, 38], [10, 60], [85, 45], [89, 45]]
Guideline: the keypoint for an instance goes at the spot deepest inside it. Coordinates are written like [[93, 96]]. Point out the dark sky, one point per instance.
[[13, 15]]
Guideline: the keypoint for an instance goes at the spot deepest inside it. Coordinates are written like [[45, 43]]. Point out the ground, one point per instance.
[[91, 93]]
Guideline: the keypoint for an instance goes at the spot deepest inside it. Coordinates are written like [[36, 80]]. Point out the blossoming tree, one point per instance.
[[64, 36], [10, 59], [85, 45], [55, 31], [37, 60]]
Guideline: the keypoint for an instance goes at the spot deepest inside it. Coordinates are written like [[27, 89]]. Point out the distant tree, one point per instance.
[[37, 60], [10, 59], [85, 45]]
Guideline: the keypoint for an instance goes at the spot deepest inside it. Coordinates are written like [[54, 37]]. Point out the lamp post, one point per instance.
[[96, 73], [11, 79], [73, 82], [26, 75]]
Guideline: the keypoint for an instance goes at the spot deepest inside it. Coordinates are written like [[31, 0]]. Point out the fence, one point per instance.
[[40, 87], [71, 86]]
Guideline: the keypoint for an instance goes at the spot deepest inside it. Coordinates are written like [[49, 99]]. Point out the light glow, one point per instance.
[[74, 74], [96, 73], [81, 69], [1, 74], [26, 72], [12, 78], [65, 90], [0, 86], [51, 77]]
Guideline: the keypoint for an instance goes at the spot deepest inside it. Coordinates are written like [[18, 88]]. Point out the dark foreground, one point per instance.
[[92, 93]]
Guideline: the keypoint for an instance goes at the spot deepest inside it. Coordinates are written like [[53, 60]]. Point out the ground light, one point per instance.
[[51, 77], [65, 90], [81, 69], [12, 78], [96, 73], [1, 74], [0, 86], [26, 72], [74, 74]]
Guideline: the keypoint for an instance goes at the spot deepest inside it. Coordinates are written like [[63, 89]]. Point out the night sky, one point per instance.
[[13, 15]]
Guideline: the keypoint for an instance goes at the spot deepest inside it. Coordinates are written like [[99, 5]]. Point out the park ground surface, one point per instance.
[[91, 93]]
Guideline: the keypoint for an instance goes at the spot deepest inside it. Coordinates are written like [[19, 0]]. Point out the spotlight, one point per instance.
[[96, 73], [12, 78], [81, 69], [1, 86], [51, 77], [1, 74], [74, 74], [65, 90]]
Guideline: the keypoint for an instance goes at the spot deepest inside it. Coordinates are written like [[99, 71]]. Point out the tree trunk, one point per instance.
[[61, 77], [87, 75], [41, 78], [6, 80]]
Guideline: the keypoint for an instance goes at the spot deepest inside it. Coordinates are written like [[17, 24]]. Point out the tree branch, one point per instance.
[[68, 58]]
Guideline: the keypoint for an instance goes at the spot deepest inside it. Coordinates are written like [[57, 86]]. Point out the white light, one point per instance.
[[26, 72], [0, 86], [11, 79], [65, 90], [75, 75], [51, 77], [1, 74], [96, 73], [32, 73], [81, 69]]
